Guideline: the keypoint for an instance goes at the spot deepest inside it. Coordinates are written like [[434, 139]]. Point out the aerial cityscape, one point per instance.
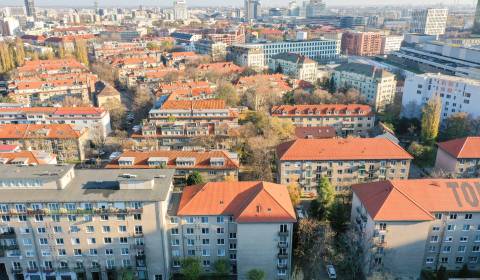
[[249, 140]]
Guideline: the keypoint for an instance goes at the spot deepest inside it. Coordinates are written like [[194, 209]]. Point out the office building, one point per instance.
[[429, 21], [321, 50], [180, 10], [315, 8], [343, 161], [391, 43], [294, 65], [30, 8], [250, 224], [247, 56], [9, 26], [346, 120], [61, 223], [459, 158], [376, 85], [252, 9], [476, 21], [406, 226], [361, 43], [212, 165], [456, 94]]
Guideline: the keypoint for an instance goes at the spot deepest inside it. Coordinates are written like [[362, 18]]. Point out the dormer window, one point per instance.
[[126, 161], [3, 160], [185, 161], [157, 161], [217, 161]]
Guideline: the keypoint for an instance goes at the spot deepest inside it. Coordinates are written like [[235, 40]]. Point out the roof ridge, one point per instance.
[[411, 199], [196, 193], [256, 190], [463, 146], [273, 197]]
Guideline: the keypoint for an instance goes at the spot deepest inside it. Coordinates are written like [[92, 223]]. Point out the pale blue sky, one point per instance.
[[165, 3]]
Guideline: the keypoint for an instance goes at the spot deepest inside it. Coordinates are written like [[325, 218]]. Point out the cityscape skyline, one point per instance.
[[236, 3]]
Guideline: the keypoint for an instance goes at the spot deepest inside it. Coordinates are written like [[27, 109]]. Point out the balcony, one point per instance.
[[282, 244], [137, 246], [282, 255], [283, 233], [32, 269], [48, 269], [282, 266], [138, 234], [9, 247], [381, 243], [8, 234], [17, 270]]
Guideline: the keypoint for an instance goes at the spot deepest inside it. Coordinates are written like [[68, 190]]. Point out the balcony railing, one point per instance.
[[7, 234], [48, 269], [282, 244], [32, 269], [282, 255], [79, 211], [16, 270], [282, 265], [283, 233]]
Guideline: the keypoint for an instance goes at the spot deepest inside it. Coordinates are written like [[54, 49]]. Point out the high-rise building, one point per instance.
[[315, 8], [361, 43], [180, 10], [30, 8], [252, 9], [429, 21], [476, 22]]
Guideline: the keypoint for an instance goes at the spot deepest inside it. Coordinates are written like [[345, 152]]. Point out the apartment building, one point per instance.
[[391, 43], [217, 50], [80, 118], [250, 224], [343, 161], [457, 94], [186, 90], [405, 226], [221, 68], [212, 165], [376, 85], [429, 21], [60, 139], [42, 82], [321, 50], [61, 223], [349, 119], [361, 43], [247, 56], [459, 158], [294, 65], [19, 157], [278, 83]]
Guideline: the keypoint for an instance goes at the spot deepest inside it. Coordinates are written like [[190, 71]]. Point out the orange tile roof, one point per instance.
[[222, 67], [468, 147], [322, 110], [248, 202], [51, 64], [417, 200], [316, 132], [29, 155], [182, 54], [35, 131], [276, 80], [194, 104], [202, 159], [341, 149]]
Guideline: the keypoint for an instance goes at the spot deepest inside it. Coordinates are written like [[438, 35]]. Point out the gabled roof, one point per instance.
[[417, 200], [323, 110], [364, 69], [467, 147], [248, 202], [37, 131], [341, 149], [194, 104]]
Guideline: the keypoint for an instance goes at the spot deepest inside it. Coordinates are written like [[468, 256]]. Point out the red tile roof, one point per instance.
[[36, 131], [248, 202], [194, 104], [322, 110], [202, 159], [468, 147], [221, 67], [7, 158], [315, 132], [277, 81], [417, 200], [341, 149], [182, 54]]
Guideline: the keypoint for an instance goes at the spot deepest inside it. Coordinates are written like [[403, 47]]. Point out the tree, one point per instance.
[[255, 274], [349, 255], [6, 58], [442, 273], [126, 274], [19, 52], [117, 113], [456, 126], [464, 272], [105, 72], [431, 120], [81, 51], [222, 267], [325, 197], [338, 216], [195, 178], [227, 92], [61, 52], [142, 102], [191, 268], [310, 246], [294, 192], [424, 155]]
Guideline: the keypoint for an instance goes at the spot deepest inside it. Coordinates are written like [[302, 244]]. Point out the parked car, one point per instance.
[[331, 272]]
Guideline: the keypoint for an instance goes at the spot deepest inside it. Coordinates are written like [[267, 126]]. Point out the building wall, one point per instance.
[[258, 248], [445, 162]]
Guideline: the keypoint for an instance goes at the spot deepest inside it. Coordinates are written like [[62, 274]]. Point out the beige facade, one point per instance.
[[246, 56], [71, 226], [295, 66], [457, 167]]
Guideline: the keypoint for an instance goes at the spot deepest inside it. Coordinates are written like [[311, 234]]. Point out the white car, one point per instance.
[[331, 272], [136, 128]]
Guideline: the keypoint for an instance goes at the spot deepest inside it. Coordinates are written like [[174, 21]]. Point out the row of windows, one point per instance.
[[70, 218], [76, 241], [190, 231]]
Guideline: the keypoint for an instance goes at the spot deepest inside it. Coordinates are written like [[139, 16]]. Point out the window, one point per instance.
[[459, 260], [75, 241], [74, 229], [204, 220], [453, 216], [173, 220], [220, 241], [205, 230], [93, 252], [90, 229], [106, 229], [205, 241], [158, 277], [221, 252], [138, 230], [191, 252], [72, 218], [206, 263], [429, 260], [189, 230], [43, 241], [466, 227], [137, 217], [122, 228], [463, 238], [123, 240], [62, 252], [205, 252], [189, 220], [461, 249], [91, 241], [473, 259], [190, 242], [232, 235], [60, 241], [41, 230], [444, 260], [124, 251], [109, 252], [468, 216], [175, 242], [435, 228], [57, 229], [104, 217], [107, 240], [448, 238], [77, 252], [447, 249], [450, 227], [220, 220], [220, 230], [476, 249]]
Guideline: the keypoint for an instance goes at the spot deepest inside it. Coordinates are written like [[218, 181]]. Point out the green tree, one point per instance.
[[194, 179], [221, 267], [325, 197], [81, 51], [227, 92], [294, 192], [310, 246], [338, 215], [255, 274], [431, 120], [126, 274], [456, 126], [191, 269]]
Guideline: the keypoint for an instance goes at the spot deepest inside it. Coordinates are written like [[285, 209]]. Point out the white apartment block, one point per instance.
[[405, 226], [81, 118], [457, 94], [247, 56], [429, 21], [391, 43], [248, 224], [296, 66], [376, 85], [459, 158], [61, 223]]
